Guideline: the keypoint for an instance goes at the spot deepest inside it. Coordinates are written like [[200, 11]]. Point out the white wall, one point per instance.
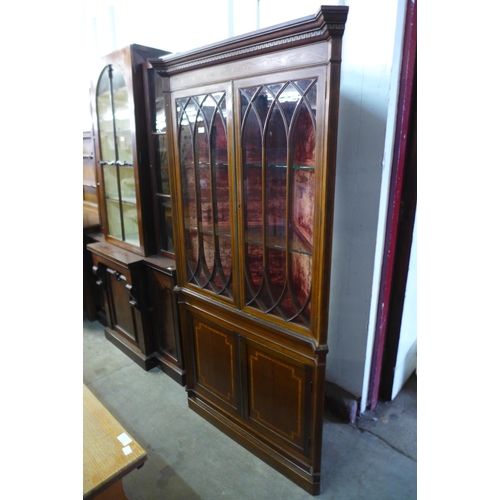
[[369, 78], [370, 69]]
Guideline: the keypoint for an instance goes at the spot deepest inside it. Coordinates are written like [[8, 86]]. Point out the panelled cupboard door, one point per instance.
[[163, 307], [215, 363], [122, 314], [203, 136], [268, 390], [278, 396]]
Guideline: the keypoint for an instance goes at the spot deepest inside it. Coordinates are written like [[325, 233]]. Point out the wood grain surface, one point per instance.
[[104, 460]]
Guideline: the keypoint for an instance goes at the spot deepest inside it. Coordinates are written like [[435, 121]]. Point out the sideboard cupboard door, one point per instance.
[[164, 310], [278, 396], [215, 368], [123, 319]]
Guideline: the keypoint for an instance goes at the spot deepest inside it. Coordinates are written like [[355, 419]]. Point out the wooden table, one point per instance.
[[106, 458]]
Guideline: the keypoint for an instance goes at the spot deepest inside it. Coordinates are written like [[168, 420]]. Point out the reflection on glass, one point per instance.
[[111, 181], [131, 223], [278, 144], [114, 218], [202, 133], [127, 185], [166, 226], [122, 118], [161, 161], [159, 109], [105, 118]]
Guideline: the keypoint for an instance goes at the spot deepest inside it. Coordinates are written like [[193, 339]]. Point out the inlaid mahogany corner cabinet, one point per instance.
[[134, 265], [253, 134]]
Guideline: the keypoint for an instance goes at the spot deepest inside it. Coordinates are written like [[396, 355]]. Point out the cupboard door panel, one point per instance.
[[164, 313], [123, 318], [278, 396], [215, 353]]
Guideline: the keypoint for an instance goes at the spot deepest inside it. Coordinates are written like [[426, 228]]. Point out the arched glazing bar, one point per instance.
[[279, 180], [202, 132]]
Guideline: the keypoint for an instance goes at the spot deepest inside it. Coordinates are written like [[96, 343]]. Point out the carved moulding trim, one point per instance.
[[246, 50]]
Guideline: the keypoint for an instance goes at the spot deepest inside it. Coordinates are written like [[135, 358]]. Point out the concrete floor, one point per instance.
[[189, 459]]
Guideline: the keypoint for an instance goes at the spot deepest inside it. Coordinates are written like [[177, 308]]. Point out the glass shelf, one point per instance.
[[276, 238], [223, 230], [125, 201], [295, 167]]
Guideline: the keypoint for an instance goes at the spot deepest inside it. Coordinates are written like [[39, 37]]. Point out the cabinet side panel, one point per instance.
[[163, 310]]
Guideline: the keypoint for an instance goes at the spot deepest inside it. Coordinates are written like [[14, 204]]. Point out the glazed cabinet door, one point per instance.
[[114, 108], [120, 122], [159, 155], [279, 168], [203, 136]]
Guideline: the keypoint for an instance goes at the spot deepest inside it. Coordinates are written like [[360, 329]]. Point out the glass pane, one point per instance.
[[114, 219], [122, 118], [304, 137], [110, 181], [209, 255], [161, 163], [166, 225], [188, 181], [301, 282], [191, 243], [130, 223], [105, 118], [223, 279], [276, 277], [254, 266], [276, 179], [288, 101], [204, 172], [127, 185], [218, 142], [160, 124]]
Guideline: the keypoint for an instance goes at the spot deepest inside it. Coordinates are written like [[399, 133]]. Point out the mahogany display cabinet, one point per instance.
[[252, 138], [135, 266]]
